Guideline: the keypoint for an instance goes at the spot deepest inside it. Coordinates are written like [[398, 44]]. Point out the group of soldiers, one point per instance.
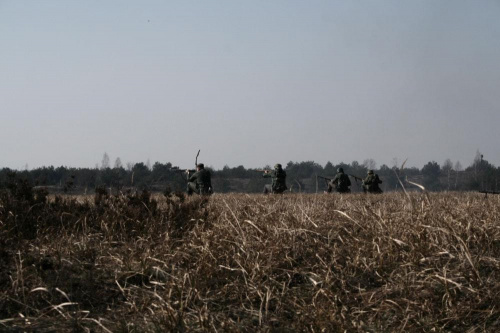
[[342, 184], [200, 181]]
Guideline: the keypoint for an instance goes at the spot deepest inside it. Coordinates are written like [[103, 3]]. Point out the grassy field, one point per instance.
[[230, 263]]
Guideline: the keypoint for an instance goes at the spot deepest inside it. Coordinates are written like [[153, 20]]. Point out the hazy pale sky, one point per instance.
[[248, 82]]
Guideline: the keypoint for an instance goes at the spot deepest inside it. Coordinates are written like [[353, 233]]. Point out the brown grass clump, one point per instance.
[[313, 263]]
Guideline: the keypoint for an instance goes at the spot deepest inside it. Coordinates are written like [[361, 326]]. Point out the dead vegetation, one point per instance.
[[313, 263]]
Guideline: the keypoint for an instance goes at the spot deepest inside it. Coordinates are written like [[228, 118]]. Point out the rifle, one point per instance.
[[353, 176], [189, 171], [182, 171], [356, 178], [488, 192], [179, 170], [262, 170], [325, 178]]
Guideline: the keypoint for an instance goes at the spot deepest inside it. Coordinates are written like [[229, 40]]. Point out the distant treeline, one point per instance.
[[301, 176]]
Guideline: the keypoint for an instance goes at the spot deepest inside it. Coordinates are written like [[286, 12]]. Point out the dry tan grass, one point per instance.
[[314, 263]]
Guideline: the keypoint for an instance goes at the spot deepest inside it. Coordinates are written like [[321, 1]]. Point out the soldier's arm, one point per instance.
[[268, 174], [193, 177], [335, 179]]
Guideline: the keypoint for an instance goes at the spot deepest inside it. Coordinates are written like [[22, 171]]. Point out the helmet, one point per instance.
[[200, 165], [277, 166], [340, 170], [370, 172]]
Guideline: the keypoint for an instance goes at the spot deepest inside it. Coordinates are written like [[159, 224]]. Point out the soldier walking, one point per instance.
[[199, 182], [341, 183], [278, 176], [370, 183]]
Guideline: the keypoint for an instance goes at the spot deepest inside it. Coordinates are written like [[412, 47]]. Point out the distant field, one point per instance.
[[312, 263]]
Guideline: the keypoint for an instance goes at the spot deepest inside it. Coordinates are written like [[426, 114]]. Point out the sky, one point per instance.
[[248, 83]]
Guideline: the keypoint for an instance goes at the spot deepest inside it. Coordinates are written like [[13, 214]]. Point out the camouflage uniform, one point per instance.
[[278, 184], [370, 183], [200, 182], [341, 183]]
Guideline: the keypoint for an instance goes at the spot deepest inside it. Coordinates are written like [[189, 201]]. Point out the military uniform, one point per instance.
[[200, 182], [341, 183], [370, 183], [278, 184]]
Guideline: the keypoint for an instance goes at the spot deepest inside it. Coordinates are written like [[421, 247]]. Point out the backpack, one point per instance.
[[344, 182]]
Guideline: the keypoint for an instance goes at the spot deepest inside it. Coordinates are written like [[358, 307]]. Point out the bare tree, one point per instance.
[[458, 168], [477, 162], [118, 163], [446, 169], [395, 163], [370, 164], [105, 161]]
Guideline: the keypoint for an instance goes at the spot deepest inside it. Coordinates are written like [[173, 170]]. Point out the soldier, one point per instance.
[[199, 182], [278, 176], [370, 183], [341, 183]]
